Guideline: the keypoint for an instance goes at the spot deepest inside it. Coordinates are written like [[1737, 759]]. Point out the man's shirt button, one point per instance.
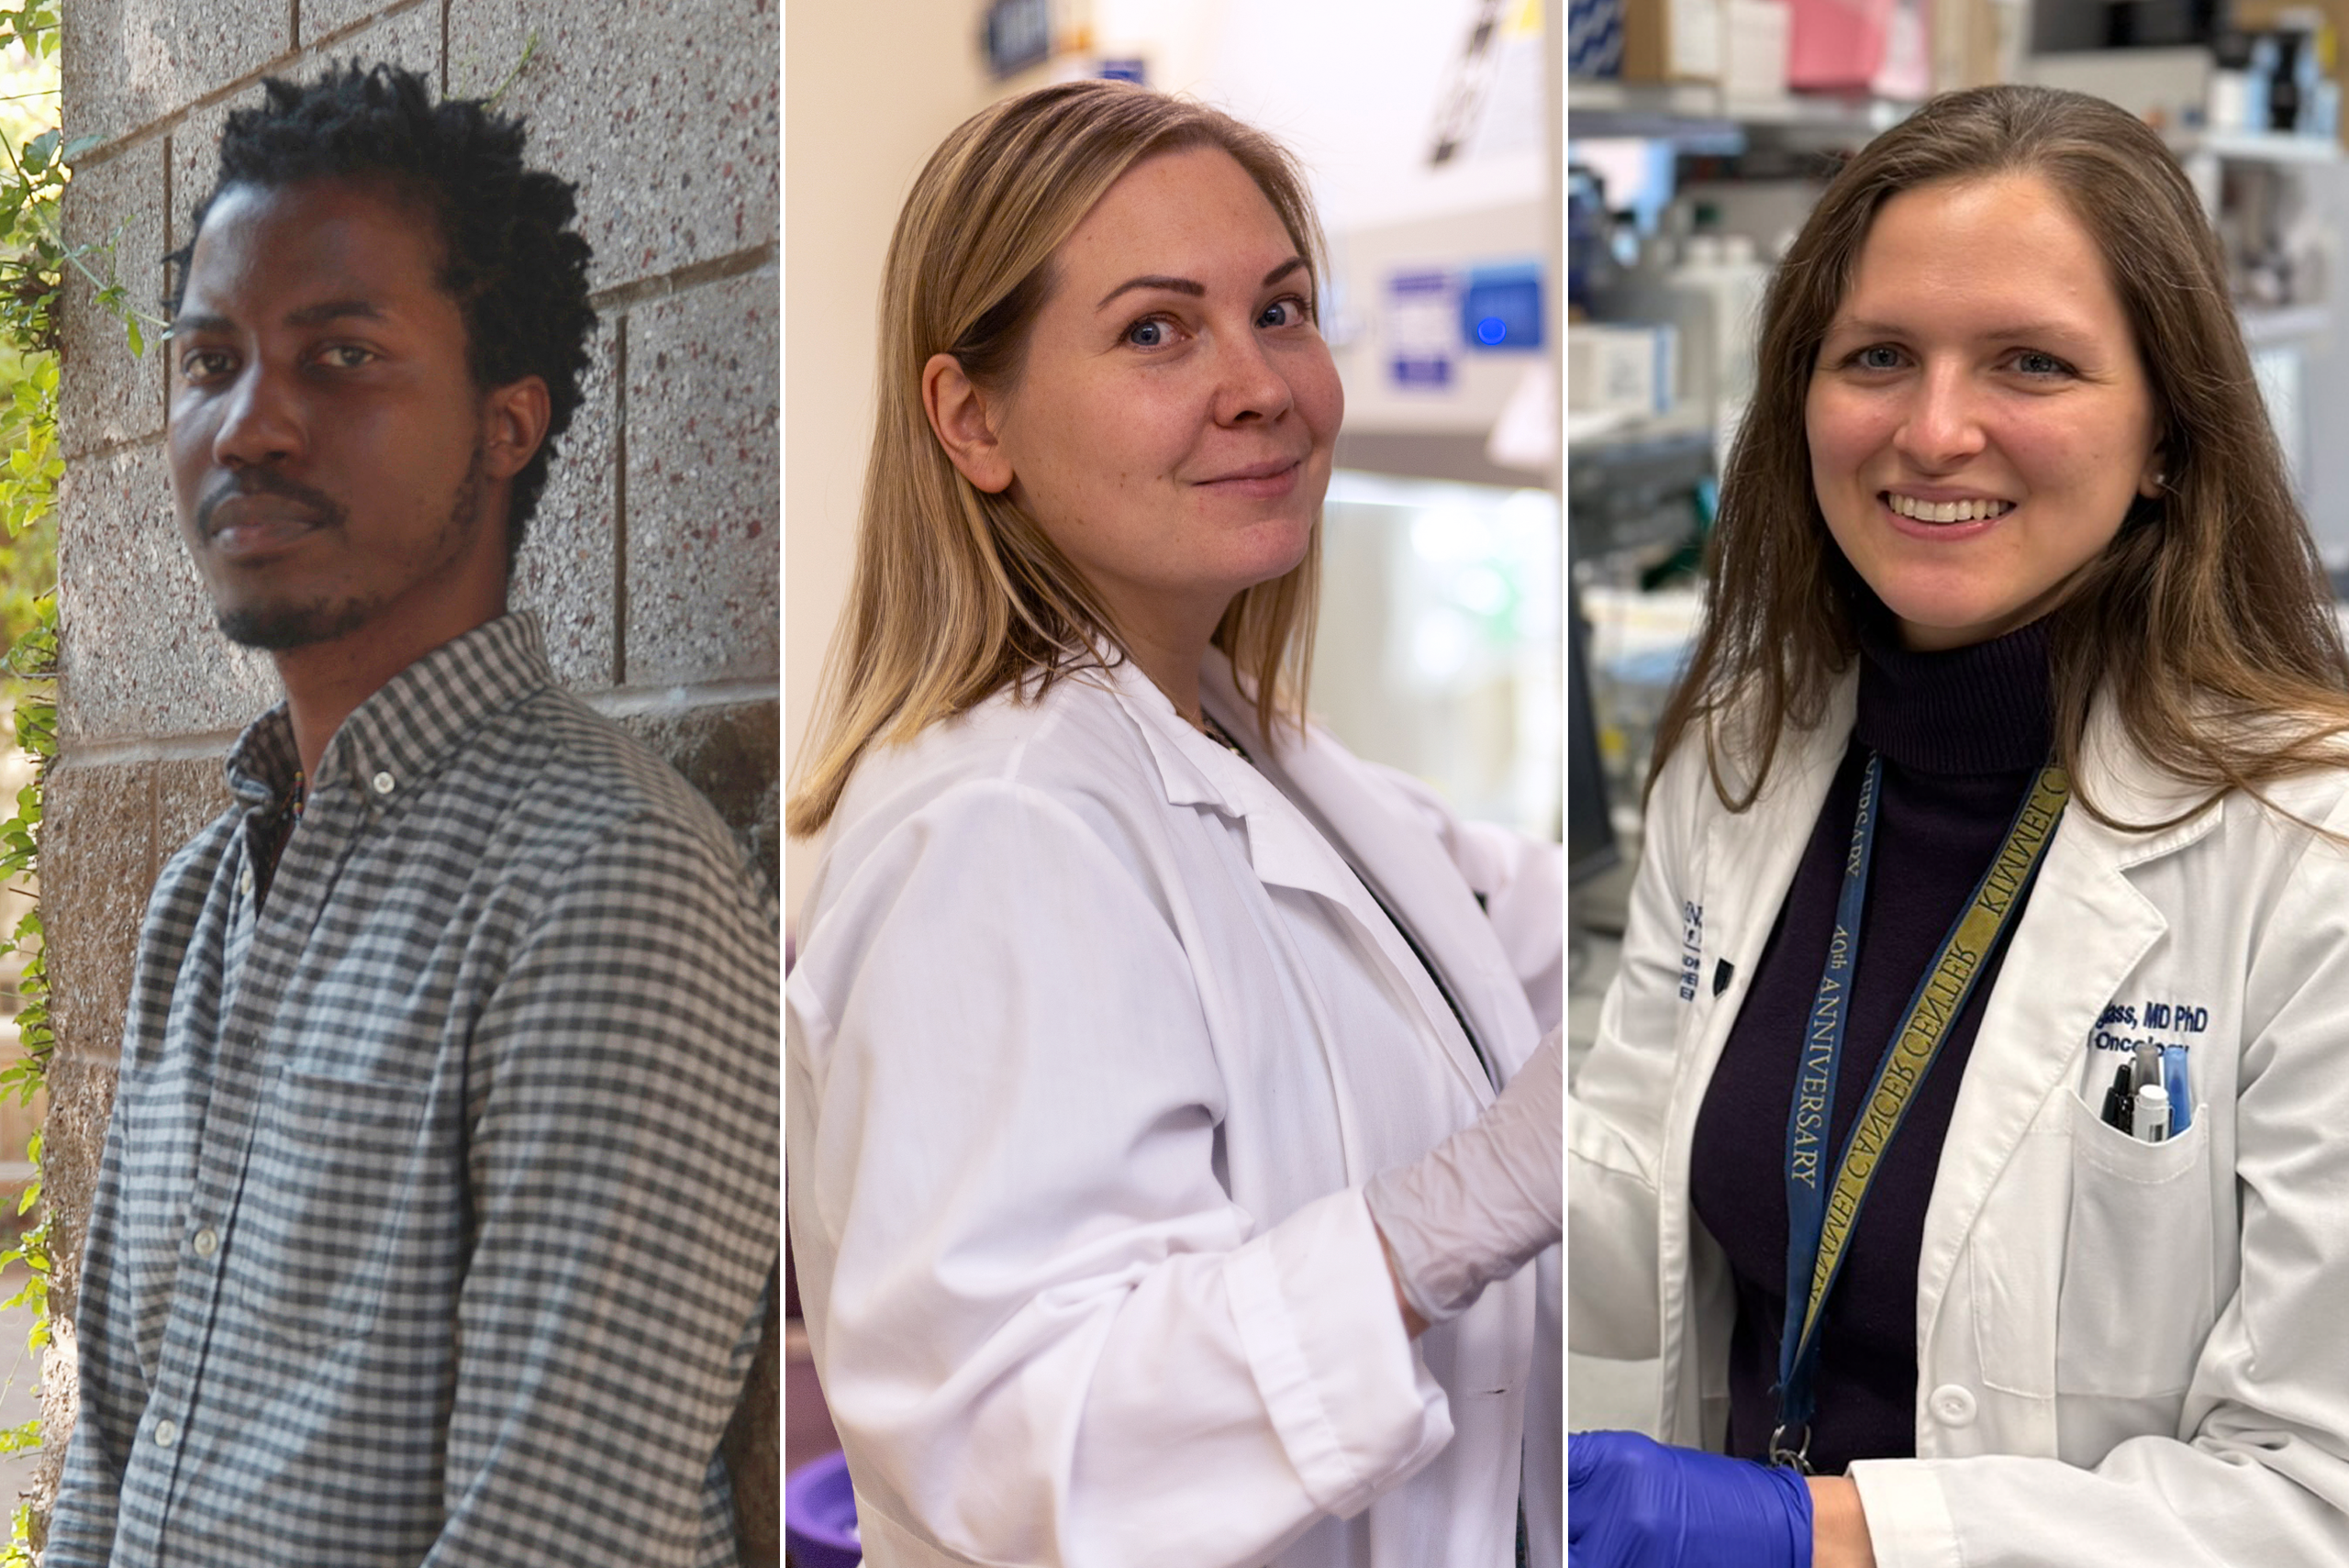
[[245, 883], [206, 1242], [166, 1433], [384, 783]]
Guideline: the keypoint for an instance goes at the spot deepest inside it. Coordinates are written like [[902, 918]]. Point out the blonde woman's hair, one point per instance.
[[957, 593]]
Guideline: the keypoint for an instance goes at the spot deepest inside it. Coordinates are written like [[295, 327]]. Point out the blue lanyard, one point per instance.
[[1822, 1208]]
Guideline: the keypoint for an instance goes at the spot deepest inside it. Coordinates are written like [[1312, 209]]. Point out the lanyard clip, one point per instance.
[[1798, 1458]]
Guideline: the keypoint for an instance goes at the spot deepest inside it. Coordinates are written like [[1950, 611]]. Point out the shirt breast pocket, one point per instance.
[[2138, 1299], [325, 1189]]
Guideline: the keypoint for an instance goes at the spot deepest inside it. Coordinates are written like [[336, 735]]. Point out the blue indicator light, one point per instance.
[[1500, 307]]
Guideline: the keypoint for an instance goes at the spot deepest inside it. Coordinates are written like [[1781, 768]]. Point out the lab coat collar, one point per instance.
[[1192, 769], [1751, 856], [1317, 836], [1400, 860], [2122, 780], [2129, 787], [1195, 771]]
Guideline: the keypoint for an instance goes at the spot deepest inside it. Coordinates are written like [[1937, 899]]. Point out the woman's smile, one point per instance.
[[1921, 510], [1256, 481]]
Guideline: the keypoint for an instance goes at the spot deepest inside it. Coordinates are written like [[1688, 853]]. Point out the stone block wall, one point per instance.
[[653, 560]]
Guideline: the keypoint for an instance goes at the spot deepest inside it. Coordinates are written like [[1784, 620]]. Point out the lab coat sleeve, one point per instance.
[[2263, 1474], [1617, 1100], [1046, 1334], [1520, 881]]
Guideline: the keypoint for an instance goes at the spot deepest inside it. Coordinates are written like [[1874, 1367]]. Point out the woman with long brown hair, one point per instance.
[[1169, 1128], [1962, 1133]]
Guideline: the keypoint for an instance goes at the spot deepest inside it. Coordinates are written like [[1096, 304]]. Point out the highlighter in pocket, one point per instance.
[[2181, 1103]]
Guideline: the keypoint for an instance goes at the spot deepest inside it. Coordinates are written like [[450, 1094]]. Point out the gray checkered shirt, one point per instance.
[[440, 1192]]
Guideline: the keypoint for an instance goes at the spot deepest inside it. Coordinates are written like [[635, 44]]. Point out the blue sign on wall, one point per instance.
[[1419, 306], [1500, 307]]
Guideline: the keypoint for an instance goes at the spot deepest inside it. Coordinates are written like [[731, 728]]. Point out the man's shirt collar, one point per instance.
[[410, 726]]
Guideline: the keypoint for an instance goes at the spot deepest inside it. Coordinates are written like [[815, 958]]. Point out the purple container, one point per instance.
[[820, 1515]]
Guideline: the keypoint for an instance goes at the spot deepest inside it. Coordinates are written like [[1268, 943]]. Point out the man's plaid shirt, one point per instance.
[[441, 1191]]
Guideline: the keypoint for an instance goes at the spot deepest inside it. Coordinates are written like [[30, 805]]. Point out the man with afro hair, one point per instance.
[[439, 1204]]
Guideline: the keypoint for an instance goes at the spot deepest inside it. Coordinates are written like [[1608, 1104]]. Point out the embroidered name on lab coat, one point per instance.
[[2125, 1026]]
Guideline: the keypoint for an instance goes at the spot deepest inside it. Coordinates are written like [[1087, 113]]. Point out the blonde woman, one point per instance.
[[1168, 1129]]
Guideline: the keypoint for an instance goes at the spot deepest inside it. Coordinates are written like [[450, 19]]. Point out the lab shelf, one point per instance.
[[1686, 110], [2266, 325], [2248, 147]]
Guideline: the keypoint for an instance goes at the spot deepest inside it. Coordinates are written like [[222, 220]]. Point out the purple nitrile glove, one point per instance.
[[1633, 1503]]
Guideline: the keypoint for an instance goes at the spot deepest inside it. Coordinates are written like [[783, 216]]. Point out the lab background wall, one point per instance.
[[2324, 188], [653, 559], [870, 90]]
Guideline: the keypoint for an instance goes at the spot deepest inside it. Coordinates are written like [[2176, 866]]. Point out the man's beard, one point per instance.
[[275, 629]]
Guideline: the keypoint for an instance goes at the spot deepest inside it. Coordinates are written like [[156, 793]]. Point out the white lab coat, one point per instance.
[[1093, 1040], [2127, 1352]]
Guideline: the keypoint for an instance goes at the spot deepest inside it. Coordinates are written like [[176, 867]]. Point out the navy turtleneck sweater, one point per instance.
[[1962, 735]]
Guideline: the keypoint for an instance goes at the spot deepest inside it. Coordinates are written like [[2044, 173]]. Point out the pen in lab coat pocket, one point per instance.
[[2151, 1122], [2116, 1099], [2181, 1102]]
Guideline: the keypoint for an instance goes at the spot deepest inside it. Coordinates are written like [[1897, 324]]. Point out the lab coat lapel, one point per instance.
[[1295, 839], [1747, 863], [1751, 856], [1193, 771], [2084, 929]]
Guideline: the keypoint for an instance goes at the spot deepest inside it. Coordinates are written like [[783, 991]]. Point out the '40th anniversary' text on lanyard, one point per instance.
[[1820, 1216]]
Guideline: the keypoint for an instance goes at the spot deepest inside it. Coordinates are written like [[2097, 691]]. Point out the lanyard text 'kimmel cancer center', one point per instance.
[[1820, 1211]]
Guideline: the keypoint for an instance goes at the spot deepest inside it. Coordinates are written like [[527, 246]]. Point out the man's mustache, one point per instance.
[[325, 511]]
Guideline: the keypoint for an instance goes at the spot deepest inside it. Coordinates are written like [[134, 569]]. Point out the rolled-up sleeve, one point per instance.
[[1047, 1333]]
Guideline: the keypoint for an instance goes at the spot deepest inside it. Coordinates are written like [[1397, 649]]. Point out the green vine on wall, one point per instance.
[[34, 262]]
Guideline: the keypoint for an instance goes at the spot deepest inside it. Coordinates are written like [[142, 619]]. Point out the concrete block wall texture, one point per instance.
[[653, 559]]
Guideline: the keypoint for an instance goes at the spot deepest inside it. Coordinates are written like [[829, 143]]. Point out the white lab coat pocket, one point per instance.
[[2136, 1301]]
